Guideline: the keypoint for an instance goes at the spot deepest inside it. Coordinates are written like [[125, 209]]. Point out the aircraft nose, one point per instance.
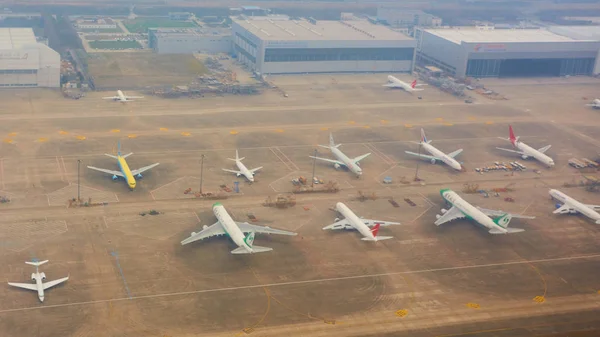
[[41, 298]]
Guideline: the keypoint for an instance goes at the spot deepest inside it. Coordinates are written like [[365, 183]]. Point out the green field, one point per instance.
[[141, 25], [114, 44]]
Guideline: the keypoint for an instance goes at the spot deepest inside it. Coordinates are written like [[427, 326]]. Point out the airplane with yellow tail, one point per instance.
[[125, 172]]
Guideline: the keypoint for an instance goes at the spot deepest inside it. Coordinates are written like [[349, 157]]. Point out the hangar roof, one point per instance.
[[15, 38], [589, 33], [303, 30], [473, 35]]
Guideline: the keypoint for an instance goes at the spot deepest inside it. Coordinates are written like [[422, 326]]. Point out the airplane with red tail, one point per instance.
[[351, 221], [526, 151]]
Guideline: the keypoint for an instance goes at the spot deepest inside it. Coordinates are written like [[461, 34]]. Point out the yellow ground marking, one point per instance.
[[471, 118], [383, 121], [115, 130], [324, 129], [401, 312], [598, 292], [280, 130], [233, 132], [366, 127], [186, 134], [131, 136], [439, 119], [164, 129], [448, 124], [80, 137], [63, 132], [489, 122], [8, 141], [408, 126], [41, 140], [473, 305], [539, 299], [351, 122], [12, 134]]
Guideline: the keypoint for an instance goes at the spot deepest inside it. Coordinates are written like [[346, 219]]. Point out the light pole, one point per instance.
[[417, 170], [78, 185], [201, 171], [312, 182]]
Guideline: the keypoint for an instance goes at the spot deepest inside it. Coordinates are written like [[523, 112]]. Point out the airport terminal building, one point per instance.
[[26, 63], [474, 52], [278, 45]]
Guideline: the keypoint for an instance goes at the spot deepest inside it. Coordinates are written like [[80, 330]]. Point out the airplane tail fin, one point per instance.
[[375, 229], [331, 141], [424, 138], [511, 133], [503, 220], [249, 239], [118, 147], [413, 84], [36, 263]]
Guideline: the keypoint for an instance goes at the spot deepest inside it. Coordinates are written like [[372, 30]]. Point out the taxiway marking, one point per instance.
[[281, 284]]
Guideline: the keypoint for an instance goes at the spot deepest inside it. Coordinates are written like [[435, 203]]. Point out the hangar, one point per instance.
[[473, 52], [278, 45]]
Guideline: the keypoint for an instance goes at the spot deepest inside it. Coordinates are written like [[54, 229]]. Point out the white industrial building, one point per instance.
[[474, 52], [189, 40], [402, 17], [26, 63], [278, 45], [95, 23]]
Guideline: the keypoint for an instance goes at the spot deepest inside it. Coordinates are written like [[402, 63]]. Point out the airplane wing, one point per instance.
[[28, 286], [341, 224], [144, 169], [564, 209], [455, 153], [544, 149], [420, 155], [256, 169], [392, 85], [359, 158], [55, 282], [513, 151], [495, 213], [128, 97], [246, 227], [413, 89], [112, 97], [372, 223], [594, 207], [116, 173], [213, 230], [232, 171], [452, 214], [329, 160]]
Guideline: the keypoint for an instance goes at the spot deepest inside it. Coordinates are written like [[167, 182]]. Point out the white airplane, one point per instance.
[[527, 151], [243, 171], [572, 206], [396, 83], [38, 277], [342, 160], [235, 230], [437, 155], [122, 97], [462, 209], [595, 104], [351, 221]]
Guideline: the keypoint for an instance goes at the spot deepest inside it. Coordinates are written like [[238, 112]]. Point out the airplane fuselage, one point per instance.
[[399, 84], [446, 159], [245, 172], [355, 221], [39, 284], [122, 97], [578, 206], [352, 166], [124, 168], [230, 227], [531, 152], [470, 211]]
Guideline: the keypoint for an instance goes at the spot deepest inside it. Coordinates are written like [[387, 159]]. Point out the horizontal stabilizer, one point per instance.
[[597, 222], [127, 155], [110, 155], [508, 231], [240, 159], [255, 249], [37, 264], [378, 238]]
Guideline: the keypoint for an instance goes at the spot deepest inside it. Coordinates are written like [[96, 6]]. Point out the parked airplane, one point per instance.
[[38, 277], [462, 209], [437, 155], [342, 160], [122, 97], [595, 104], [527, 151], [393, 82], [235, 230], [351, 221], [124, 172], [243, 171], [570, 205]]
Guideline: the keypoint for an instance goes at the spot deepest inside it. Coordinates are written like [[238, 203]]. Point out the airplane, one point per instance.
[[393, 82], [595, 104], [527, 151], [38, 277], [570, 205], [351, 221], [437, 155], [342, 160], [235, 230], [462, 209], [122, 97], [243, 171], [124, 172]]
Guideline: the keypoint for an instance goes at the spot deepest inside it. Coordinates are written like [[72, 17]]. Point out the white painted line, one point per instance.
[[2, 172], [65, 170], [282, 284], [288, 159], [276, 155]]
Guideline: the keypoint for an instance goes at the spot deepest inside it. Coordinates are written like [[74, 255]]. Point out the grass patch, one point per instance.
[[115, 44], [94, 30], [141, 25]]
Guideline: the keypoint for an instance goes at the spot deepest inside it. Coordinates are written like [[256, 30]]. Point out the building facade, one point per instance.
[[470, 52], [189, 40], [95, 24], [278, 45], [401, 17], [25, 62]]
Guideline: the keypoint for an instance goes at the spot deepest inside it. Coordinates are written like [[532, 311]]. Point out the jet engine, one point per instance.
[[437, 216], [204, 227], [193, 233], [337, 166], [443, 210], [114, 177], [43, 276], [433, 161], [336, 219], [139, 176], [238, 174], [33, 276], [524, 157]]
